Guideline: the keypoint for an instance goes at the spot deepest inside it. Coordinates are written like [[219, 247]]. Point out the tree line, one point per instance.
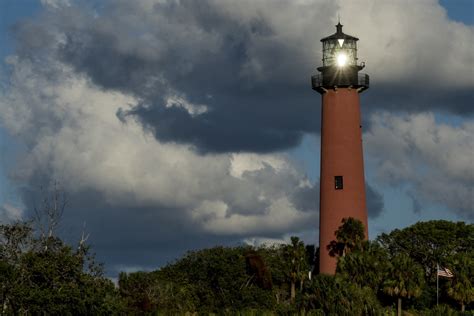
[[372, 278], [41, 274]]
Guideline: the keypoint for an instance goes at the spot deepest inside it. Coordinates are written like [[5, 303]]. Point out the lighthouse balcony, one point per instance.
[[324, 81]]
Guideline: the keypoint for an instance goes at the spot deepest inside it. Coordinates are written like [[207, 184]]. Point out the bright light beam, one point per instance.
[[341, 59]]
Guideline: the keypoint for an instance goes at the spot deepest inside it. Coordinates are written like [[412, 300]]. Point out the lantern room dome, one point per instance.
[[339, 35]]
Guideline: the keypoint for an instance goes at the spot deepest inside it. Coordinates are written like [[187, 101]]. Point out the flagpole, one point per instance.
[[437, 283]]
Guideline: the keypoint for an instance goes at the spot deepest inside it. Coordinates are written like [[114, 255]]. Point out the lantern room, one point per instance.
[[339, 49], [340, 66]]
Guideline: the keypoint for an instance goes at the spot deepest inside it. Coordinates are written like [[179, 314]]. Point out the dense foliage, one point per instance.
[[41, 274], [429, 243], [44, 275]]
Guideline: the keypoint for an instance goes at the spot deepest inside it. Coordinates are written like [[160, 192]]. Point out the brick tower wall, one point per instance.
[[341, 155]]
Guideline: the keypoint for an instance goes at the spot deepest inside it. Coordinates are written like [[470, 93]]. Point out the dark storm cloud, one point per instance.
[[238, 62], [252, 80], [245, 111], [243, 124], [417, 96]]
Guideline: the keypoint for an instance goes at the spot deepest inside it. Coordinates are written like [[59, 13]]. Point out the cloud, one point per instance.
[[225, 76], [418, 59], [10, 213], [266, 242], [166, 121], [433, 159], [122, 182], [280, 215], [91, 148], [411, 46]]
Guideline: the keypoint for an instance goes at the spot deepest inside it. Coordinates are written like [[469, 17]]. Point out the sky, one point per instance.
[[179, 125]]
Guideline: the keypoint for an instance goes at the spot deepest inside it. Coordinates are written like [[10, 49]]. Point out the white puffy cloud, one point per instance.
[[281, 215], [242, 162], [74, 135], [411, 42], [180, 101], [435, 160], [258, 241]]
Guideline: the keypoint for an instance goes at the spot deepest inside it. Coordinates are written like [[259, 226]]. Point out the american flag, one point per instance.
[[445, 272]]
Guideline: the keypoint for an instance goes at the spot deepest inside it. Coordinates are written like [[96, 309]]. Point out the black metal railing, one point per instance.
[[363, 80], [317, 80], [320, 82]]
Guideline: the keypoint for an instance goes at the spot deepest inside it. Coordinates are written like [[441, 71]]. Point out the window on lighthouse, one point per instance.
[[338, 183]]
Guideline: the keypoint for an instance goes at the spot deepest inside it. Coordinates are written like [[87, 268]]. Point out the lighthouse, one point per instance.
[[342, 184]]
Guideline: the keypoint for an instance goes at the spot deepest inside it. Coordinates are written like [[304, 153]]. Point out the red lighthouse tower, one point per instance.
[[342, 184]]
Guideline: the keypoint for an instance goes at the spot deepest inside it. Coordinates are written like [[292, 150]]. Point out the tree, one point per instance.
[[429, 243], [275, 261], [366, 266], [48, 214], [258, 270], [54, 278], [349, 236], [297, 264], [40, 272], [215, 280], [404, 279], [140, 291], [461, 288], [14, 240]]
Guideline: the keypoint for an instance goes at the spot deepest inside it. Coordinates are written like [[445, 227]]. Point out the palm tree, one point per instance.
[[462, 285], [365, 267], [349, 236], [297, 265], [405, 279]]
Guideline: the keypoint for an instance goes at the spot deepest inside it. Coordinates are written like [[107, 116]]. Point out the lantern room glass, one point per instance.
[[332, 48]]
